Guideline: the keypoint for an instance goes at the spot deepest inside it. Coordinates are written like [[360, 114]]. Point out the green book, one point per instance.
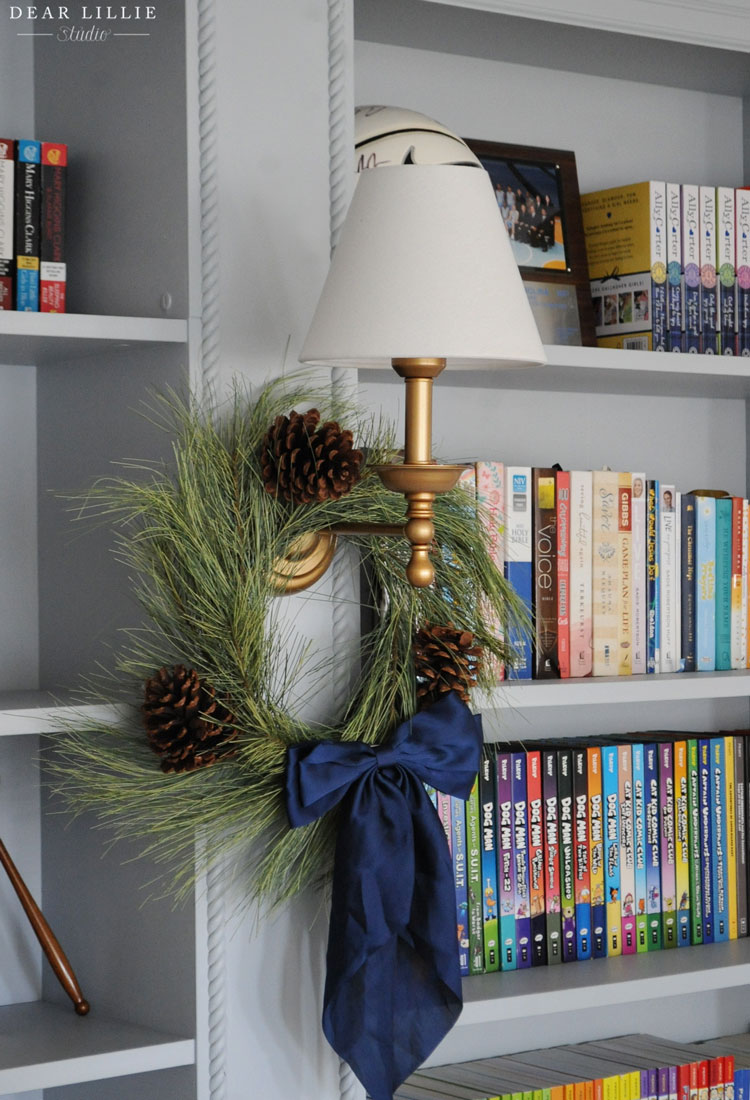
[[694, 841], [474, 864]]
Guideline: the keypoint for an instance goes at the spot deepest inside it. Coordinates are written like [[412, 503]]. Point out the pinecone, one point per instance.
[[186, 724], [305, 461], [445, 659]]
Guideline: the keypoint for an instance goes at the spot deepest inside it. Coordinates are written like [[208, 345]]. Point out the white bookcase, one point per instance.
[[660, 95]]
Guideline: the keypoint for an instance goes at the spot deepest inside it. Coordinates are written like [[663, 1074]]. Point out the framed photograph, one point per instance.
[[537, 193]]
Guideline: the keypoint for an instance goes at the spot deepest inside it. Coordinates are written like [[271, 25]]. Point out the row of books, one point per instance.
[[599, 847], [33, 185], [669, 266], [622, 574], [626, 1067]]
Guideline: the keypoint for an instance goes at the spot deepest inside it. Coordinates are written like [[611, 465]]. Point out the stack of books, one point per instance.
[[669, 266], [599, 847], [33, 186], [622, 574], [627, 1067]]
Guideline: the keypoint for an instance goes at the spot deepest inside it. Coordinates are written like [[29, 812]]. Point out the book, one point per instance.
[[719, 870], [627, 849], [580, 552], [706, 834], [737, 603], [744, 633], [521, 859], [518, 538], [705, 583], [682, 841], [667, 846], [691, 271], [458, 852], [610, 793], [53, 268], [742, 261], [474, 881], [639, 846], [7, 198], [552, 896], [625, 567], [487, 802], [581, 853], [740, 786], [536, 857], [625, 233], [709, 289], [567, 852], [694, 841], [562, 498], [596, 852], [687, 583], [544, 573], [668, 571], [28, 225], [731, 827], [653, 626], [675, 323], [723, 584], [506, 862], [725, 270], [490, 496], [653, 846], [605, 573], [638, 573]]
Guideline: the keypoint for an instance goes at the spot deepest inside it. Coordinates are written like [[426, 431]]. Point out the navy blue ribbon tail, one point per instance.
[[393, 985]]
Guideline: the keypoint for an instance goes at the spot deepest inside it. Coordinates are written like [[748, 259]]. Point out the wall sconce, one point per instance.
[[423, 278]]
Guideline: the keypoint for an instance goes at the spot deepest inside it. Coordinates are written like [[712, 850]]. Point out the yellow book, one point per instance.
[[731, 795], [682, 843], [611, 1087], [625, 561]]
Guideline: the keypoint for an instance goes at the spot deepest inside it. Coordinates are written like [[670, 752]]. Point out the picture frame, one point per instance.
[[541, 207]]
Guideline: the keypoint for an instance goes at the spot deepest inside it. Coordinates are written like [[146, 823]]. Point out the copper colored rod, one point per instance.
[[44, 934]]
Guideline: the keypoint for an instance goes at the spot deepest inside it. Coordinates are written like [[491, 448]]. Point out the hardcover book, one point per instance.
[[562, 496], [653, 625], [705, 583], [605, 573], [687, 583], [28, 225], [544, 570], [518, 538], [737, 603], [639, 579], [7, 250], [490, 495], [668, 570], [723, 587], [581, 549], [53, 268]]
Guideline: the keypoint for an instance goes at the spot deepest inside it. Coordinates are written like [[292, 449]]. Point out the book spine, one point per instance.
[[487, 796], [736, 600], [505, 862], [725, 269], [653, 847], [562, 496], [458, 851], [627, 849], [639, 847], [653, 626], [551, 856], [28, 225], [518, 540], [668, 654], [740, 786], [674, 268], [605, 573], [474, 881], [581, 637], [490, 495], [687, 583], [745, 576], [706, 804], [53, 268], [691, 271], [521, 860], [742, 245], [658, 234], [567, 855], [719, 823], [667, 844], [723, 588], [709, 290], [610, 791], [7, 199], [638, 520], [596, 852], [544, 568], [682, 843], [705, 583], [625, 565], [581, 854], [731, 827], [536, 858], [694, 837]]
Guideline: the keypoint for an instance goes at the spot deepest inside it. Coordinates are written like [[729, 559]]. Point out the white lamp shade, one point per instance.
[[423, 268]]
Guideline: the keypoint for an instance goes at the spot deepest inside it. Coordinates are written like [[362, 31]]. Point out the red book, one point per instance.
[[53, 270], [562, 497], [716, 1078], [7, 250]]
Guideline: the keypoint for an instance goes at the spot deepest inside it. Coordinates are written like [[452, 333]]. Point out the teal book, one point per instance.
[[705, 583], [723, 596]]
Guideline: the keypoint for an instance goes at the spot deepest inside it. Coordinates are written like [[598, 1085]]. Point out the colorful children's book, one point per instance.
[[581, 638], [682, 841], [521, 857], [667, 843], [582, 853], [506, 862], [625, 566], [487, 804], [536, 857], [668, 573], [709, 290], [719, 824], [518, 538], [596, 846], [611, 795], [28, 225], [730, 804], [458, 851], [687, 583], [544, 573], [474, 881], [737, 608], [705, 583], [627, 848], [567, 852], [639, 846], [653, 625], [694, 841], [691, 271], [53, 252], [723, 589], [725, 270], [707, 836], [605, 573], [653, 846], [552, 895], [740, 784]]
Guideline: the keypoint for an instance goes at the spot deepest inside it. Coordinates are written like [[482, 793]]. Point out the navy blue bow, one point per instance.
[[393, 986]]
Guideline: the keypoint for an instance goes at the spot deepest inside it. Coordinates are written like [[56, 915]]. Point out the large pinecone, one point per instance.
[[445, 659], [304, 461], [186, 724]]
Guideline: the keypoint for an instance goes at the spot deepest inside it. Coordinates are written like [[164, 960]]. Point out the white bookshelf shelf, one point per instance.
[[46, 1046], [609, 690], [28, 339], [32, 712], [493, 998]]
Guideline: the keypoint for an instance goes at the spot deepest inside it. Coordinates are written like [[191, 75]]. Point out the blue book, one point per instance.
[[723, 593], [706, 827], [521, 868], [487, 792], [581, 849], [639, 847], [653, 623], [458, 850], [611, 797], [518, 571], [653, 847], [705, 583], [506, 862], [28, 215], [719, 874]]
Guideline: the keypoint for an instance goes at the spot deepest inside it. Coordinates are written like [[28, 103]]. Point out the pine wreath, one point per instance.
[[200, 538]]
